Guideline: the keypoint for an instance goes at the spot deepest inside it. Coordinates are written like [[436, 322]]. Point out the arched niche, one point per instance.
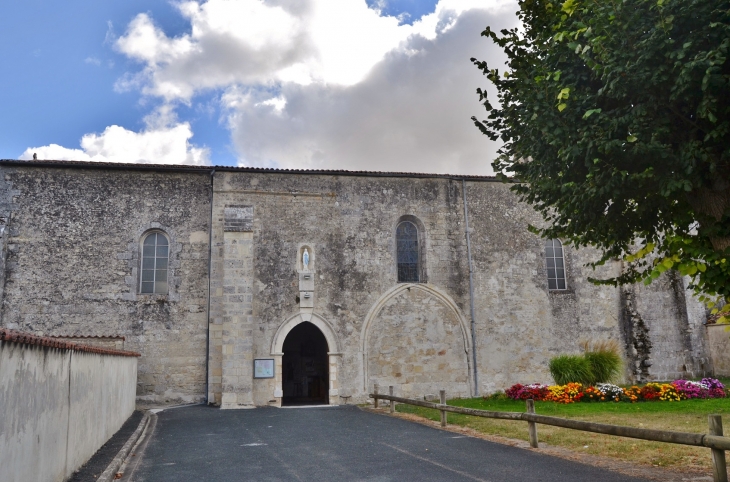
[[312, 258], [457, 340]]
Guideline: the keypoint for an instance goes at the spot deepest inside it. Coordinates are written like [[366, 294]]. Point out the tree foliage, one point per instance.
[[615, 121]]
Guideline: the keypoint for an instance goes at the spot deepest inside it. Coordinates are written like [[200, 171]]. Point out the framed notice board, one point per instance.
[[263, 368]]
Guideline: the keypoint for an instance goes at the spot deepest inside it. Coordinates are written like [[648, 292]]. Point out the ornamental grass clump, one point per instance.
[[604, 359], [571, 369]]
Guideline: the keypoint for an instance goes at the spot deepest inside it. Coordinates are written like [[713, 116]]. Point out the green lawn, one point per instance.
[[685, 416]]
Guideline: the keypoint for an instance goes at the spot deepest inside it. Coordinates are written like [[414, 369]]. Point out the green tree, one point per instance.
[[615, 120]]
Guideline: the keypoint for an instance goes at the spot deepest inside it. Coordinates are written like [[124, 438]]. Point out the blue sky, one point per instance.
[[224, 96]]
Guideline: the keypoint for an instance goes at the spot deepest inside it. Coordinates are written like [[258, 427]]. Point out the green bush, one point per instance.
[[571, 368], [605, 359], [605, 363]]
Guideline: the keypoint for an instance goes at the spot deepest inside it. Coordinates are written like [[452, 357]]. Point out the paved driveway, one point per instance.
[[334, 444]]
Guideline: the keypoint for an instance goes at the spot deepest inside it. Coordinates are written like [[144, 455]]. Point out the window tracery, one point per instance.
[[155, 258], [555, 262], [408, 252]]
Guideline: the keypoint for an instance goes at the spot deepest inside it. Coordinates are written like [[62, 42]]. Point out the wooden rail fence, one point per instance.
[[714, 440]]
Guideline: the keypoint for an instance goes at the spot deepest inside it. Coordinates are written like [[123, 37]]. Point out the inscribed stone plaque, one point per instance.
[[263, 368], [238, 218]]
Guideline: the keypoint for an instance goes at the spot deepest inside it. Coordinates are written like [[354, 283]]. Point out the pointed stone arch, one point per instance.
[[277, 344], [333, 346], [439, 295]]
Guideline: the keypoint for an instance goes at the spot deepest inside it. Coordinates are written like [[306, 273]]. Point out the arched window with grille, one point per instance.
[[155, 256], [555, 264], [406, 235]]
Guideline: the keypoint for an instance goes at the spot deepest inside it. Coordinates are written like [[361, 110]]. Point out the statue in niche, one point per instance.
[[305, 260]]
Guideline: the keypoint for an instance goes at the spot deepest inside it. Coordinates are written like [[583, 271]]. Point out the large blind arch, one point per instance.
[[155, 263]]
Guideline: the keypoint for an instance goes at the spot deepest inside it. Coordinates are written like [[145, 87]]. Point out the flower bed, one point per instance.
[[606, 392]]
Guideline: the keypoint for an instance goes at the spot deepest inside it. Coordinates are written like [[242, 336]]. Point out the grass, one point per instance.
[[571, 368], [684, 416]]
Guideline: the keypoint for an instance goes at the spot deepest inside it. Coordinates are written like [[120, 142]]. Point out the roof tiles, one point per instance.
[[182, 167], [20, 337]]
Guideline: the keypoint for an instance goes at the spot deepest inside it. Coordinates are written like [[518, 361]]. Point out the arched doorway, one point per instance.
[[305, 366]]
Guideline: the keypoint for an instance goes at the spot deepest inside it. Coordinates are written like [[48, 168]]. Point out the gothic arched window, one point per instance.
[[406, 236], [155, 254], [555, 264]]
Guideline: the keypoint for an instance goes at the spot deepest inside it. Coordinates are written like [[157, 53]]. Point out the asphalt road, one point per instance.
[[334, 444]]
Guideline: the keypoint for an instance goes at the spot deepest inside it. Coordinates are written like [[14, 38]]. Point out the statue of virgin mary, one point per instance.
[[305, 260]]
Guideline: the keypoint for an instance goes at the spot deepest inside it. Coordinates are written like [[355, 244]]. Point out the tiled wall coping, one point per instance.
[[29, 339]]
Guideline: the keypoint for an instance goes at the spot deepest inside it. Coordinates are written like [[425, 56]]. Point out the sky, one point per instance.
[[379, 85]]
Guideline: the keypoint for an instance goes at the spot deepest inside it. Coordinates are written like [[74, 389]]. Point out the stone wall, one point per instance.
[[678, 342], [72, 267], [420, 344], [59, 405], [349, 222], [719, 344], [520, 323]]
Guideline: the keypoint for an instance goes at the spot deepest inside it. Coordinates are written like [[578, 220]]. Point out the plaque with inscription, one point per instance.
[[263, 368], [238, 218]]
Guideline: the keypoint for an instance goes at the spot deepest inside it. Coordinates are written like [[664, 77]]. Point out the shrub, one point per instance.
[[612, 392], [592, 394], [669, 393], [604, 359], [536, 391], [631, 394], [571, 369], [691, 389], [568, 393], [716, 388], [650, 391]]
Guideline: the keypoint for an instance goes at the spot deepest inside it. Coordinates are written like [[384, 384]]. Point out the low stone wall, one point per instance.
[[60, 402], [719, 341]]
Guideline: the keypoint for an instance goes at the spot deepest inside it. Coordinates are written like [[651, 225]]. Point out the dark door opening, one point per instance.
[[305, 374]]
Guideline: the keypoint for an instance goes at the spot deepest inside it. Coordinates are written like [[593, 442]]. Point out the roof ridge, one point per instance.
[[187, 167]]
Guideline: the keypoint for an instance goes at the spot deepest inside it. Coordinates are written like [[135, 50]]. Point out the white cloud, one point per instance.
[[93, 61], [253, 42], [412, 113], [312, 84], [154, 145]]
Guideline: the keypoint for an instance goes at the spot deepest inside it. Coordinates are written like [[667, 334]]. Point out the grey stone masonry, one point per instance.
[[73, 242], [70, 254]]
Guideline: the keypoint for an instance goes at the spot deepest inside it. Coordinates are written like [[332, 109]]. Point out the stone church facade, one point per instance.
[[203, 271]]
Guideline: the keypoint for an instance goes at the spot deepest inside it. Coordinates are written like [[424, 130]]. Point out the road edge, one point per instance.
[[111, 470]]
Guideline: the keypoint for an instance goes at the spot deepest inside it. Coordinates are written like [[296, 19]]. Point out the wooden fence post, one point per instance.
[[392, 403], [375, 392], [442, 396], [719, 468], [532, 426]]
